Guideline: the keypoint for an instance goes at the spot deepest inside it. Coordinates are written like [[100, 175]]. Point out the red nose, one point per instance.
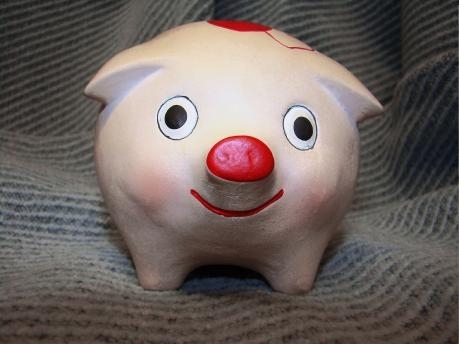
[[240, 159]]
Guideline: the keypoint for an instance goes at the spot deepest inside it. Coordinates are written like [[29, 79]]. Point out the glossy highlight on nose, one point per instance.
[[240, 159]]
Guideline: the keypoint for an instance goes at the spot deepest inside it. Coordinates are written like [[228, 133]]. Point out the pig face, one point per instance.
[[227, 143]]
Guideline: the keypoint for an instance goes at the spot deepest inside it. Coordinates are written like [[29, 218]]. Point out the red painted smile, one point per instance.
[[235, 213]]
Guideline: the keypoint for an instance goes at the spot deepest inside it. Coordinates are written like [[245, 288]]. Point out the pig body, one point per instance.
[[227, 143]]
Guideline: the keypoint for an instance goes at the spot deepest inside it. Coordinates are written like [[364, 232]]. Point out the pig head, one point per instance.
[[227, 142]]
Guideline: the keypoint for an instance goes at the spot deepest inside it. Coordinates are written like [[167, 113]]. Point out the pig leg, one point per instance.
[[160, 276], [295, 268], [160, 264]]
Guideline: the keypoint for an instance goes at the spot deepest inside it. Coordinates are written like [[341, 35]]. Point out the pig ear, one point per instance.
[[355, 98], [120, 75], [348, 91]]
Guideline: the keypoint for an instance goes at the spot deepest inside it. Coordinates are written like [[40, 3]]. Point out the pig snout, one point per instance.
[[241, 181], [240, 159]]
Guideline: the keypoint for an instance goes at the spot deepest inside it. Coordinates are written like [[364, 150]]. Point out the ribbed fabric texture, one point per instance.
[[390, 277]]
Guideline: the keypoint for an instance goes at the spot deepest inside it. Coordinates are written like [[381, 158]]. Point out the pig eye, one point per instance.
[[300, 127], [177, 117]]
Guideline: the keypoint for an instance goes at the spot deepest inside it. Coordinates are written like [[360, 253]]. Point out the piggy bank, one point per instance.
[[229, 143]]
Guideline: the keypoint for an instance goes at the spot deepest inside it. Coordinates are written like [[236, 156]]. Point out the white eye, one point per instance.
[[177, 117], [300, 127]]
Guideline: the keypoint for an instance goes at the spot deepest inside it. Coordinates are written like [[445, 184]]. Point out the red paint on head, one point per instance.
[[240, 159], [245, 26], [242, 26]]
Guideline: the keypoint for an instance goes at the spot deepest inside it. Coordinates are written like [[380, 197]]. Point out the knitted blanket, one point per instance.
[[390, 277]]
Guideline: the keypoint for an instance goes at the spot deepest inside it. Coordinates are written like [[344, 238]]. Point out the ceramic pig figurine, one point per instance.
[[227, 142]]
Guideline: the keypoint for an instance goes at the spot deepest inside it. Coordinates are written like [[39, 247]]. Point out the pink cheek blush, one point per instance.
[[150, 189]]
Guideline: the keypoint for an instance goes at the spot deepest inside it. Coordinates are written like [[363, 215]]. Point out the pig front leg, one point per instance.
[[161, 264], [293, 269], [160, 276]]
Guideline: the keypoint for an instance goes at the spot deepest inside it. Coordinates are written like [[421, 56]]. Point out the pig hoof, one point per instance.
[[296, 286], [154, 281], [291, 280]]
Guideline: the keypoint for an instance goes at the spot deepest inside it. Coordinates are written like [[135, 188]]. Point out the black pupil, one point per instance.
[[303, 128], [175, 117]]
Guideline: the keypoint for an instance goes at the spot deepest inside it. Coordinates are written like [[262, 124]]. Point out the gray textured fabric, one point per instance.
[[65, 274]]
